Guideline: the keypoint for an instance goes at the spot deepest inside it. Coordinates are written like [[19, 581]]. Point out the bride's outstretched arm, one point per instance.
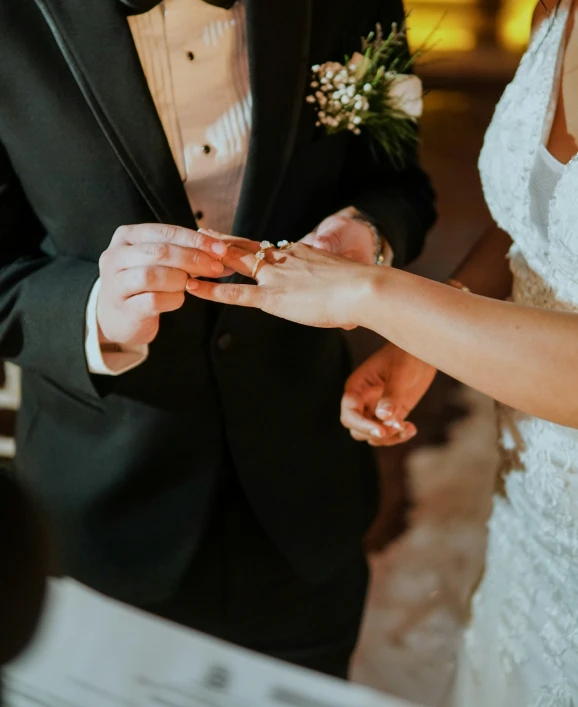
[[524, 357], [383, 391]]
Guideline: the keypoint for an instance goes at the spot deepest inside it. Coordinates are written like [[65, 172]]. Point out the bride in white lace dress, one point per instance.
[[521, 648]]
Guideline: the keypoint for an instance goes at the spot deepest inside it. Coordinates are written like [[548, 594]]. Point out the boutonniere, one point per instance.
[[373, 91]]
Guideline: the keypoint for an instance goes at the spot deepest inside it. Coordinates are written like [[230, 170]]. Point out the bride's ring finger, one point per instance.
[[260, 257], [248, 262], [240, 260], [270, 254]]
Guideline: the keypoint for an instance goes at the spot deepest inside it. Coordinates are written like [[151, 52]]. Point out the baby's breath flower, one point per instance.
[[372, 91]]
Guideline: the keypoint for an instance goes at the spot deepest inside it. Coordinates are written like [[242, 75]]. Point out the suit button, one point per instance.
[[224, 341]]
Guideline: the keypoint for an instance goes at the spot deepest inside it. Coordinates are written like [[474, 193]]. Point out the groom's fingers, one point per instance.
[[244, 243], [226, 293], [139, 234], [329, 241]]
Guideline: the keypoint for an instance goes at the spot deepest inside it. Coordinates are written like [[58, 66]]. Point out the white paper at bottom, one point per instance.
[[91, 651]]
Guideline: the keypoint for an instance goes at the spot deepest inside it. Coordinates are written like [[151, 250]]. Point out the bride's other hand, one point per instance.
[[381, 393], [303, 284]]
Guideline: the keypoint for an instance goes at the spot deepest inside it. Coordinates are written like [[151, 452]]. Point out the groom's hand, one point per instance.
[[143, 273], [344, 233]]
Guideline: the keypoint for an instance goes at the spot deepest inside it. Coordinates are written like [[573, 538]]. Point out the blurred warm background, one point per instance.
[[427, 544]]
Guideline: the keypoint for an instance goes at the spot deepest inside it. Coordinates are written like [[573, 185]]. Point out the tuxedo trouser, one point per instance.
[[240, 588]]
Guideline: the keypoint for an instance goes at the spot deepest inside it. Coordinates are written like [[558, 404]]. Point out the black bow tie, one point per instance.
[[140, 6]]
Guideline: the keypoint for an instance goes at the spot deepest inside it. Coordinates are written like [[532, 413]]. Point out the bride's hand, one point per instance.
[[302, 284], [381, 393]]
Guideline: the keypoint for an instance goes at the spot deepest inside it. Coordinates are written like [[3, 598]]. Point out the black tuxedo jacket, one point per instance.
[[23, 566], [126, 467]]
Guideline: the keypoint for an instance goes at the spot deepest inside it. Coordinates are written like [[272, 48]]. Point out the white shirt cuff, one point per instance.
[[108, 363]]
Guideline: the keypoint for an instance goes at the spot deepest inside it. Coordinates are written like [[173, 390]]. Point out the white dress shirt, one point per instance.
[[194, 57]]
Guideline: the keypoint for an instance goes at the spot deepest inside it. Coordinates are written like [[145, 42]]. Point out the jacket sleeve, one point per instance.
[[400, 202], [43, 297]]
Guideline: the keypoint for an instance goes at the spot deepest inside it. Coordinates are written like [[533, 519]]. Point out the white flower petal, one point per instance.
[[407, 94]]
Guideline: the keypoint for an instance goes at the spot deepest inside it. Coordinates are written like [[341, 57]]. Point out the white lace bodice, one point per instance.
[[522, 647], [521, 123]]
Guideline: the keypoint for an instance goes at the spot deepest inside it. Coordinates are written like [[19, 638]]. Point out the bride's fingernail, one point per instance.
[[384, 410], [192, 285], [376, 432], [395, 424]]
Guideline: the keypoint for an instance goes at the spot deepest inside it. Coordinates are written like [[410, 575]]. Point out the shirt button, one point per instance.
[[224, 341], [199, 215], [190, 56], [207, 149]]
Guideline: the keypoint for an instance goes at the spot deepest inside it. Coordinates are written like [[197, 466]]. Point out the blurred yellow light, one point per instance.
[[514, 23], [451, 31], [418, 3], [450, 39]]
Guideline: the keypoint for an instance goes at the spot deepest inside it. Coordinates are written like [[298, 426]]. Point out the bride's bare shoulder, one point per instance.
[[543, 10]]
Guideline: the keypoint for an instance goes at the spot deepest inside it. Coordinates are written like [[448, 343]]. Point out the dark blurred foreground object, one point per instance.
[[23, 567]]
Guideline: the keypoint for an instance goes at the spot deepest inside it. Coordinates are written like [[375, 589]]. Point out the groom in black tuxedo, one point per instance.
[[209, 481]]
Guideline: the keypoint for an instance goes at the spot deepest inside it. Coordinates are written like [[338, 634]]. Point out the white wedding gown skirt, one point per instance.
[[521, 647]]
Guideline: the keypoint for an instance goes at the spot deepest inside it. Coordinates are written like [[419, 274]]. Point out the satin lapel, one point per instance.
[[279, 35], [96, 42]]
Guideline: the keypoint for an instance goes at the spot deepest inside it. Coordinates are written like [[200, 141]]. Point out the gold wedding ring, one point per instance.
[[264, 246]]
